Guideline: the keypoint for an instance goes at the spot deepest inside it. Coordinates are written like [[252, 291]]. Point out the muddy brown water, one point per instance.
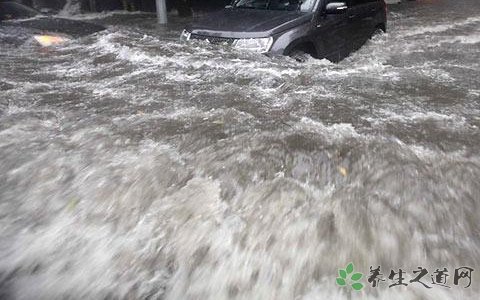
[[134, 166]]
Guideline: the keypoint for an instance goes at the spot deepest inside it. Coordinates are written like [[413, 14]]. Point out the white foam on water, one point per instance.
[[468, 39], [335, 132], [106, 44], [441, 27], [122, 176], [448, 122], [13, 109]]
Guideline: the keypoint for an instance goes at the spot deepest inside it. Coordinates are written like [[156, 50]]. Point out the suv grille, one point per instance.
[[212, 39]]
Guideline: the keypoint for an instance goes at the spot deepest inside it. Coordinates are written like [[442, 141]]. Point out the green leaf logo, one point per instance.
[[357, 286], [350, 278], [350, 268], [357, 276]]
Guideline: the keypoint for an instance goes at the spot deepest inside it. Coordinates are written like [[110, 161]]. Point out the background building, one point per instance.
[[184, 7]]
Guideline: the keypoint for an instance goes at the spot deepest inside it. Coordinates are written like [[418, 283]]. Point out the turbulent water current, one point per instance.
[[136, 166]]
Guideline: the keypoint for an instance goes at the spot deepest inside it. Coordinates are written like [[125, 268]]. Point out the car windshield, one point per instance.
[[290, 5], [13, 10]]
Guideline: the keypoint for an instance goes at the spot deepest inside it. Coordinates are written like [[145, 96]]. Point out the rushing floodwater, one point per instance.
[[134, 166]]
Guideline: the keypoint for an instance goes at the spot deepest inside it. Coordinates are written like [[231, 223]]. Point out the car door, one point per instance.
[[361, 15], [330, 34]]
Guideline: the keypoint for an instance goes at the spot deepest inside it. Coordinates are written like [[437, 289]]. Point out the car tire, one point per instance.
[[299, 55], [381, 28]]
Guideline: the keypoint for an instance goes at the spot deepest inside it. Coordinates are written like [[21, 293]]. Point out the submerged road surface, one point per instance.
[[134, 166]]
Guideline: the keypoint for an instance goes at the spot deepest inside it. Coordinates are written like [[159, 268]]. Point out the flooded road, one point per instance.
[[134, 166]]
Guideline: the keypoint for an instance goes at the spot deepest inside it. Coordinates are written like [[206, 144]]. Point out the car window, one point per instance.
[[291, 5], [12, 10]]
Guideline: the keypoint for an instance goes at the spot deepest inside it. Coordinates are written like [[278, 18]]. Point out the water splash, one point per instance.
[[71, 8], [136, 166]]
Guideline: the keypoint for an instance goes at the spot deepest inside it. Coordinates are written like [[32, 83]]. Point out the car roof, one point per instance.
[[14, 10]]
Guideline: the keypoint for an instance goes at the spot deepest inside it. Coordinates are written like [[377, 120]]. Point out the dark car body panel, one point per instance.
[[248, 23], [331, 36], [362, 22], [14, 10], [58, 25], [17, 15]]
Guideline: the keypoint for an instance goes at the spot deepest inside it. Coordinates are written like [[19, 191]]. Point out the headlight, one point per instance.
[[262, 45], [50, 40], [185, 36]]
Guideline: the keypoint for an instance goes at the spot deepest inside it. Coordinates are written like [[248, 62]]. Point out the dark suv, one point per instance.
[[321, 28]]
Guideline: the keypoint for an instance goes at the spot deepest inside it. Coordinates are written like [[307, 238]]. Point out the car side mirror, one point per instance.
[[335, 8]]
